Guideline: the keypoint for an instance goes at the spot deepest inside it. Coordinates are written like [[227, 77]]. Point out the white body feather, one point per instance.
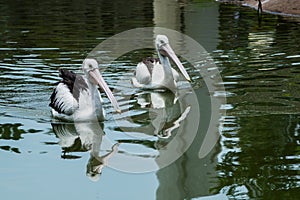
[[158, 78]]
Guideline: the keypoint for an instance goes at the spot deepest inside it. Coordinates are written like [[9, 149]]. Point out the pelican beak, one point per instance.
[[166, 49], [97, 78]]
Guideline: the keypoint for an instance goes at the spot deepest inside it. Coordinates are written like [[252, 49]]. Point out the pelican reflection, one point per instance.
[[163, 114], [83, 137]]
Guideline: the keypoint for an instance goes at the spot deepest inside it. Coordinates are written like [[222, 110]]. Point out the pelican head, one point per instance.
[[165, 51], [92, 73]]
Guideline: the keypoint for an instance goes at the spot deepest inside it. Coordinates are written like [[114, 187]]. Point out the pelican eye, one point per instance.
[[90, 66], [162, 44]]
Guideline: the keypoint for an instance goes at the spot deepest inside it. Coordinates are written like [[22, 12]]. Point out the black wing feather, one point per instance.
[[75, 83]]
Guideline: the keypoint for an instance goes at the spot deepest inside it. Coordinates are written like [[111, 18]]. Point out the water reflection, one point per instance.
[[152, 121], [275, 165], [83, 137], [165, 113], [257, 71], [259, 138], [13, 132], [154, 126], [258, 153]]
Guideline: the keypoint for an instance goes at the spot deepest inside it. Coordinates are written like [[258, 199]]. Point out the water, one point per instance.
[[256, 157]]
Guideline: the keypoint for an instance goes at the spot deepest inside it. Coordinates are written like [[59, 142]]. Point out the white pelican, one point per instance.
[[152, 73], [77, 98]]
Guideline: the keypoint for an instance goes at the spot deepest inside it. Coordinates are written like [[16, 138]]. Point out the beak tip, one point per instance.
[[188, 79], [119, 111]]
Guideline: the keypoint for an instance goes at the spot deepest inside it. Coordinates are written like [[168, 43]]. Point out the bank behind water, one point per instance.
[[283, 7]]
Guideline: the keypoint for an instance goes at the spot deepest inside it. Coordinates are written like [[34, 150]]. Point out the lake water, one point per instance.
[[256, 155]]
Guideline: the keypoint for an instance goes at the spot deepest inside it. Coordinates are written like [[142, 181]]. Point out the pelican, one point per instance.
[[154, 73], [77, 98]]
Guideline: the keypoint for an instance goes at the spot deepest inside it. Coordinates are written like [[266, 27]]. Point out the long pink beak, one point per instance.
[[95, 74], [167, 48]]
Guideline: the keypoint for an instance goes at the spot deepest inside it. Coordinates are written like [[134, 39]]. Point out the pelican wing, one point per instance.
[[62, 100], [143, 75], [65, 96]]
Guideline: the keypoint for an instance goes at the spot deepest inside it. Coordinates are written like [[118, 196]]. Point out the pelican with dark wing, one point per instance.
[[154, 73], [77, 97]]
